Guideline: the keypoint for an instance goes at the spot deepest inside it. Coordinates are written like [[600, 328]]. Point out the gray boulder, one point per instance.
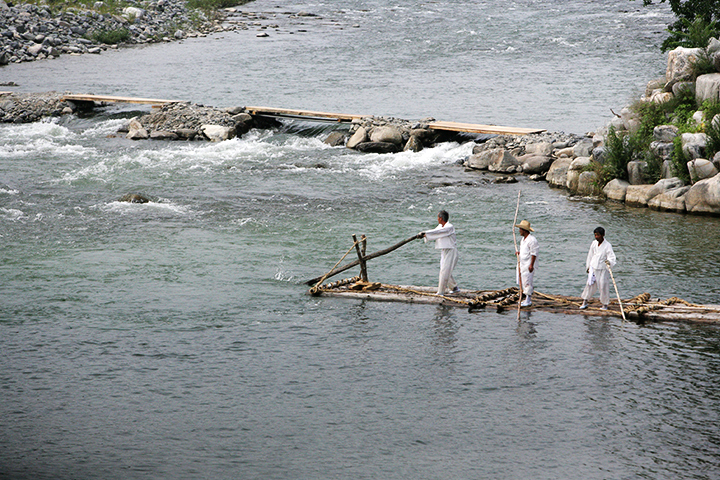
[[378, 147], [386, 134], [662, 150], [163, 135], [504, 162], [663, 186], [539, 148], [707, 87], [636, 172], [637, 195], [218, 133], [616, 189], [583, 148], [680, 64], [681, 87], [574, 170], [414, 144], [665, 133], [535, 164], [335, 139], [704, 196], [136, 131], [670, 201], [694, 144], [557, 174], [599, 154], [701, 169], [360, 136], [586, 183], [483, 158]]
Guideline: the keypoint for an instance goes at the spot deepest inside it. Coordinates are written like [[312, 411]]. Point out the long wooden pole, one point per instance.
[[517, 208], [348, 266], [622, 311]]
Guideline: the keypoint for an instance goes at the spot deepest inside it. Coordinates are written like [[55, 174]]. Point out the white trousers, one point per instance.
[[527, 281], [602, 283], [448, 260]]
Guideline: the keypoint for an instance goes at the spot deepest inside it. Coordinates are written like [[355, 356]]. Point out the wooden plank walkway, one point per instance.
[[111, 98], [311, 114]]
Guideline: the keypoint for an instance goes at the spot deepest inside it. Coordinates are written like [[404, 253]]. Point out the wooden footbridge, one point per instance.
[[315, 115]]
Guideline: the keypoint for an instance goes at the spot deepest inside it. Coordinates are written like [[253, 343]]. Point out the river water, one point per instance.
[[175, 339]]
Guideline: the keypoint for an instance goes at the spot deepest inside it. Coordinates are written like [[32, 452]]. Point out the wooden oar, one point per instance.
[[616, 291], [518, 256], [379, 253]]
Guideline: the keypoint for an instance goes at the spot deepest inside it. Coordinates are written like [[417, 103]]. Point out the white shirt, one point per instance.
[[444, 236], [528, 247], [598, 254]]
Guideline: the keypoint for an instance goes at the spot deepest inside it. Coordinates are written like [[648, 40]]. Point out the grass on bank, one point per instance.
[[116, 6]]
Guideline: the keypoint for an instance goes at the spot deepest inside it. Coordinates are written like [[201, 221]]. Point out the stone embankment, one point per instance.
[[572, 166], [33, 32]]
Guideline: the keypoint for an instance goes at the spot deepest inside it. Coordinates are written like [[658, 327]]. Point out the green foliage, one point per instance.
[[712, 130], [697, 21], [679, 161], [110, 37]]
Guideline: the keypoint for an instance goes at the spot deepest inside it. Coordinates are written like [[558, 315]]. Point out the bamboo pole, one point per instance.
[[517, 254], [379, 253], [363, 264], [622, 311]]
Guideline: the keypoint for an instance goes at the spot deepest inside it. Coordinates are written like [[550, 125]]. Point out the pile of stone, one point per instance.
[[31, 32], [187, 121], [389, 135], [32, 107]]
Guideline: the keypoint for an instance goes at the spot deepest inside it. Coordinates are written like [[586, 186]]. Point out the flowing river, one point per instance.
[[175, 339]]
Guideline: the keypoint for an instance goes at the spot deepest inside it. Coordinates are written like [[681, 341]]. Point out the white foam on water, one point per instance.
[[377, 166], [124, 208], [8, 191], [12, 214], [107, 127], [44, 139]]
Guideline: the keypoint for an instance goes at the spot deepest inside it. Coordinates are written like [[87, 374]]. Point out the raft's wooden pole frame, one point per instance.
[[350, 265], [517, 254], [361, 259]]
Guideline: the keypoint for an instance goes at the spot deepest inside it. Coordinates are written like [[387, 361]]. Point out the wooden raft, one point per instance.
[[641, 308]]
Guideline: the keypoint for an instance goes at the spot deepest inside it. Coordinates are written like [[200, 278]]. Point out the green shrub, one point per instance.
[[691, 34], [712, 130], [110, 37], [679, 161]]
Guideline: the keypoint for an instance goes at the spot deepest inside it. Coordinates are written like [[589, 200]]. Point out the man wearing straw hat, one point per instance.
[[599, 258], [527, 256], [444, 236]]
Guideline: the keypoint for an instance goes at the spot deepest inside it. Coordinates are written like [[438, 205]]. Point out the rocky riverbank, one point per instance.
[[31, 32]]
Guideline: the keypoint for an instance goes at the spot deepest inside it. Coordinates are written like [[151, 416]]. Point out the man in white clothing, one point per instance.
[[527, 257], [444, 236], [600, 257]]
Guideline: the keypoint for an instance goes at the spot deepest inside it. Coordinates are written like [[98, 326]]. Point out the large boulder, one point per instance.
[[636, 172], [665, 133], [378, 147], [504, 162], [637, 195], [704, 196], [535, 164], [136, 131], [414, 144], [557, 174], [671, 201], [694, 144], [586, 183], [335, 139], [483, 158], [616, 189], [681, 87], [387, 134], [583, 148], [680, 64], [662, 150], [663, 186], [218, 133], [701, 169], [716, 160], [707, 87], [539, 148], [574, 170], [357, 138]]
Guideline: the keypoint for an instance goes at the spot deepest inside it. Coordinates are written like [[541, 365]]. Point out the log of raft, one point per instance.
[[640, 309]]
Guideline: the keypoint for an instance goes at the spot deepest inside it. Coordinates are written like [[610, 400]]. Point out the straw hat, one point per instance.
[[525, 225]]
